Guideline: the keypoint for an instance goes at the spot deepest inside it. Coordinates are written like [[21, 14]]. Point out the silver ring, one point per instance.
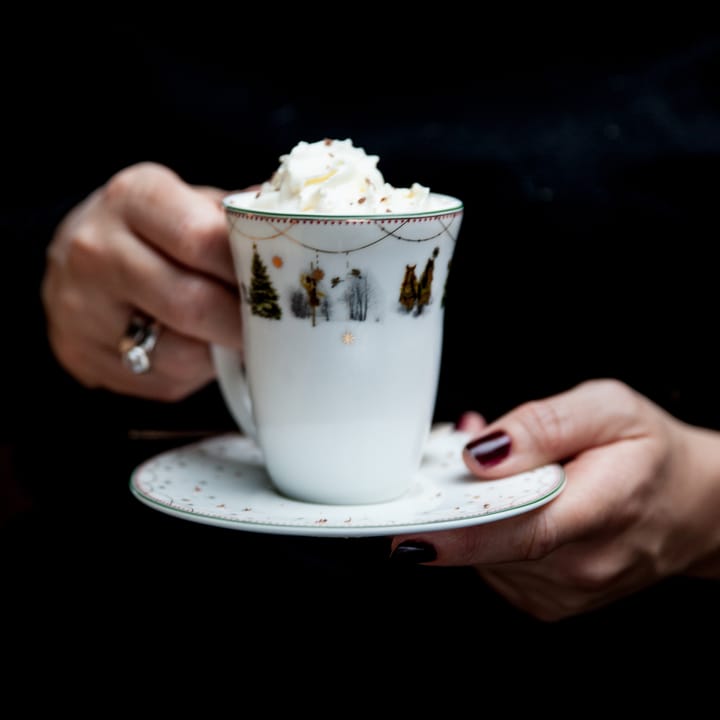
[[138, 342]]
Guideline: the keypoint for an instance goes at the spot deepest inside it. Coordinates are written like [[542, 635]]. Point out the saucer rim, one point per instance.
[[387, 529]]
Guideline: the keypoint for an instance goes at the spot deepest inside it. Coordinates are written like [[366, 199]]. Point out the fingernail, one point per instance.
[[412, 553], [490, 449]]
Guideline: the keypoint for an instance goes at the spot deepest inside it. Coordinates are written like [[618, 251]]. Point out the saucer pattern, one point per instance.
[[222, 481]]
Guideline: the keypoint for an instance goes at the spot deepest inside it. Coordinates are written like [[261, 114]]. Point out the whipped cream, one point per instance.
[[333, 177]]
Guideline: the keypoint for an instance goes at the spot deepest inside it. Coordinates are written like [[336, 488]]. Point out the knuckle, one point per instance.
[[560, 602], [545, 424], [195, 236], [541, 538], [85, 250], [69, 304], [614, 391], [145, 175], [192, 303], [627, 409], [463, 548], [189, 363], [120, 184], [469, 546], [593, 574]]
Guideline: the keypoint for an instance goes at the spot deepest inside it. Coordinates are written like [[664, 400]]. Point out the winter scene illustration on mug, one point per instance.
[[342, 297]]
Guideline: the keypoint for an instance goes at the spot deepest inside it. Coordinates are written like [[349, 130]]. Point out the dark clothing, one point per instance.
[[589, 175]]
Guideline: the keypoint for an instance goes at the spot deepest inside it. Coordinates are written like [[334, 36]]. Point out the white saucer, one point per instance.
[[221, 481]]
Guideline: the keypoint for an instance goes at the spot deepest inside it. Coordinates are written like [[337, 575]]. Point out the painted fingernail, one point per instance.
[[413, 553], [490, 449]]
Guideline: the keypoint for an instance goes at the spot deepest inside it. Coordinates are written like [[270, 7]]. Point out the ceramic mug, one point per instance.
[[342, 325]]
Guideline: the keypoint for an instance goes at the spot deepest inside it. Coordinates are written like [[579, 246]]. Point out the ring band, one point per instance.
[[138, 342]]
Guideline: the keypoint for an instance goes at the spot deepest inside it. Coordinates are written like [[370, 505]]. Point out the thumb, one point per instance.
[[555, 429]]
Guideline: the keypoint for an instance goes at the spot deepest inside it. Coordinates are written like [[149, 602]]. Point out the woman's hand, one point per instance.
[[642, 502], [145, 241]]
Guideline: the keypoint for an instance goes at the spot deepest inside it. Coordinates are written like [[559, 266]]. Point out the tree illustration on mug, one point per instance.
[[416, 294], [425, 283], [263, 296], [409, 288]]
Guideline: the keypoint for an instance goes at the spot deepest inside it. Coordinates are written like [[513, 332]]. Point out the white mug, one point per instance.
[[342, 326]]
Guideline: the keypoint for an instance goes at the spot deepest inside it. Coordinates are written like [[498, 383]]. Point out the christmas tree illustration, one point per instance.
[[263, 296]]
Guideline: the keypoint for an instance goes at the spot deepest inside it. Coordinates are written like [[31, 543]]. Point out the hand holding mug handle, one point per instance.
[[234, 388]]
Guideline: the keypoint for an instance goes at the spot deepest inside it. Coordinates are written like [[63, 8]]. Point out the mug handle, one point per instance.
[[234, 388]]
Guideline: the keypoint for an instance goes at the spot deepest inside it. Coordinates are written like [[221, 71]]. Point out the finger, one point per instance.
[[554, 590], [191, 304], [167, 380], [534, 594], [527, 590], [472, 423], [113, 261], [594, 499], [87, 341], [179, 366], [556, 428], [187, 225], [183, 360]]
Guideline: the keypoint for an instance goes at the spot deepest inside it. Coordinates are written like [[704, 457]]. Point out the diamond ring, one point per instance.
[[138, 342]]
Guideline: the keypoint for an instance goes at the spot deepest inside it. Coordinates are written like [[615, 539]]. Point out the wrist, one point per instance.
[[702, 481]]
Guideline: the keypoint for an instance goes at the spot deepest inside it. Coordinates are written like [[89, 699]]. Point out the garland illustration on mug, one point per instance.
[[318, 298]]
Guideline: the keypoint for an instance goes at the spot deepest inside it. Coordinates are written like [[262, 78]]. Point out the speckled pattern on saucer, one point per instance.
[[221, 481]]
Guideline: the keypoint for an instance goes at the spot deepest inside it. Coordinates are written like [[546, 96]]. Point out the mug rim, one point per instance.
[[455, 205]]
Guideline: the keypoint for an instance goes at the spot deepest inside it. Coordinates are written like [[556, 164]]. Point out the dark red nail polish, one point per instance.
[[413, 552], [490, 449]]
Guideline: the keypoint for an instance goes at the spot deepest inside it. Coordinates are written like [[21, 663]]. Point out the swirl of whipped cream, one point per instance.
[[333, 177]]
